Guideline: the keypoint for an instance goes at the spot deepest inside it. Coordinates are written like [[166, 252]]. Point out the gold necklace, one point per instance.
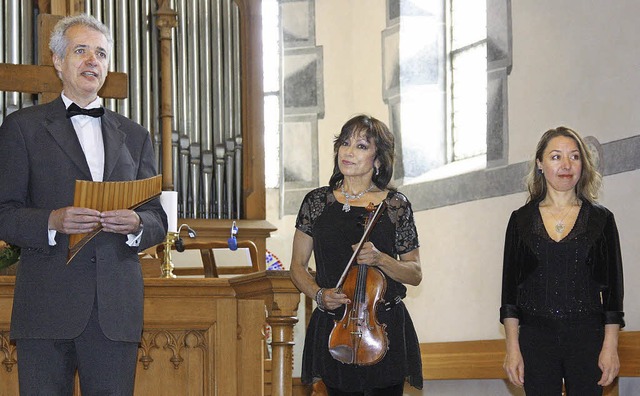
[[346, 207]]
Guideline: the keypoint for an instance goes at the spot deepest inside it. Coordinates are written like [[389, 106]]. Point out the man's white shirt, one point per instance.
[[89, 132]]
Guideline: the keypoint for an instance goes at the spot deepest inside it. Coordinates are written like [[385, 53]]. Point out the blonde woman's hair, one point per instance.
[[590, 181]]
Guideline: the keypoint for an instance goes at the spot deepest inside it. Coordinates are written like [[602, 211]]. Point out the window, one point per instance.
[[272, 109], [434, 84], [468, 75], [439, 112]]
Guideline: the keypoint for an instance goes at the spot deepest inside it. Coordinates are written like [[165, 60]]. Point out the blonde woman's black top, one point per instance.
[[576, 278]]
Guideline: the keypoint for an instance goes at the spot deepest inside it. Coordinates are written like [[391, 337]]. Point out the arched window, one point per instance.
[[444, 66]]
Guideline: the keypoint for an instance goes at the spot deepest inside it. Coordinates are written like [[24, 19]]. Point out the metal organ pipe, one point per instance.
[[26, 53], [175, 156], [238, 176], [194, 179], [207, 179], [181, 106], [217, 72], [229, 145], [154, 34], [94, 7], [13, 48], [194, 95], [207, 141], [135, 63], [154, 104], [122, 49], [219, 180], [235, 114], [2, 30], [184, 175], [121, 37], [237, 111], [227, 68], [204, 110], [217, 100], [147, 26], [177, 115], [110, 21], [174, 75]]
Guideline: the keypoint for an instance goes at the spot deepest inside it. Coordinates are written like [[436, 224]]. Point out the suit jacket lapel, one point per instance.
[[61, 129], [114, 139]]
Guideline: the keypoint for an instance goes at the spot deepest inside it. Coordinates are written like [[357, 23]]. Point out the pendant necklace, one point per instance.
[[560, 226], [346, 207]]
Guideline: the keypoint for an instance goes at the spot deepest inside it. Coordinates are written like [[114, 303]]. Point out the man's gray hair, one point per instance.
[[58, 42]]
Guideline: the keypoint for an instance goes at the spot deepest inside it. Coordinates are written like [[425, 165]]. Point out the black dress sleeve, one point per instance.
[[510, 272], [312, 206], [401, 215], [613, 294]]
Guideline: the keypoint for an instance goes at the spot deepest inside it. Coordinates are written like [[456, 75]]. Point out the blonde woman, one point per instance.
[[562, 288]]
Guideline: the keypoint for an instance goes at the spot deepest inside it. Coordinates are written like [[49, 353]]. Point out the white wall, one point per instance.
[[575, 63]]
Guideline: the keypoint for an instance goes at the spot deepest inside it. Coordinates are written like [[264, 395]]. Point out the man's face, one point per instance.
[[84, 67]]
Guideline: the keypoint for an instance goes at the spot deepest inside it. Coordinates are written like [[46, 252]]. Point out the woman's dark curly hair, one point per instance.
[[376, 131]]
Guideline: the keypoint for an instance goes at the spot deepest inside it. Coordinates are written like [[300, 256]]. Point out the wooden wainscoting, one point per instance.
[[483, 359]]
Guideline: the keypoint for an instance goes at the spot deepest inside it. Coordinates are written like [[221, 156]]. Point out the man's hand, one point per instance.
[[121, 221], [74, 220]]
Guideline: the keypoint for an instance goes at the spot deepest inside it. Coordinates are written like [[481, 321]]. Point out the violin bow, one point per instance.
[[365, 236]]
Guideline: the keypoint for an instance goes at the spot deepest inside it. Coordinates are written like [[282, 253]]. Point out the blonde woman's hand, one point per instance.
[[609, 363], [514, 367]]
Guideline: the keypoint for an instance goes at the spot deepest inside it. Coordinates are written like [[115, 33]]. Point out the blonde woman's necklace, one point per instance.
[[560, 226], [347, 207]]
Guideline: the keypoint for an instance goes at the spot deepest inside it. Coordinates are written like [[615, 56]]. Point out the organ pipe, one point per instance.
[[205, 139]]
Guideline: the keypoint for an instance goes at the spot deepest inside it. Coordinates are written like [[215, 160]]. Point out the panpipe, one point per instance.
[[106, 196]]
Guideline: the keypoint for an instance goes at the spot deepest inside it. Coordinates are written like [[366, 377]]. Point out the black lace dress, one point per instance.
[[334, 232]]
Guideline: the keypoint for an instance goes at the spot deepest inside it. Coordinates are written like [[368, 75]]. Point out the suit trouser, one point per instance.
[[105, 367], [558, 351]]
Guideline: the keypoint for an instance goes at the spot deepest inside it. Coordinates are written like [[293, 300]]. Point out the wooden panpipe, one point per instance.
[[105, 196]]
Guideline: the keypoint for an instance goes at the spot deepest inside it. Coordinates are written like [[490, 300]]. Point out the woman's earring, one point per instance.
[[540, 172], [377, 171]]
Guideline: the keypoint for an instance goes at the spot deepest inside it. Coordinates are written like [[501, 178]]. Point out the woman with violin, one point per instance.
[[360, 340]]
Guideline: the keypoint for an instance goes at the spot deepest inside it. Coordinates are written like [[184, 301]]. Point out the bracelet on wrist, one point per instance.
[[319, 298]]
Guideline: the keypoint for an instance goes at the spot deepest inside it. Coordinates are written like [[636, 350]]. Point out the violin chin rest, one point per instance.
[[342, 353]]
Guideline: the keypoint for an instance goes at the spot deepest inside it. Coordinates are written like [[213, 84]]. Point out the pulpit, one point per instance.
[[201, 336]]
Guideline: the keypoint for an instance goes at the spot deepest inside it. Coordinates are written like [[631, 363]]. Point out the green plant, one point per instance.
[[9, 254]]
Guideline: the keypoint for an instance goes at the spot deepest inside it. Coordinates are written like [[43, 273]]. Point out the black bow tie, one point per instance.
[[74, 110]]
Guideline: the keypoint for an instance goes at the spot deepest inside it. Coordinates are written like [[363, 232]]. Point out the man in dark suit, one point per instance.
[[86, 315]]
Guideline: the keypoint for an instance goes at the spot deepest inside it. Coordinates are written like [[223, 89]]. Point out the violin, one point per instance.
[[358, 338]]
